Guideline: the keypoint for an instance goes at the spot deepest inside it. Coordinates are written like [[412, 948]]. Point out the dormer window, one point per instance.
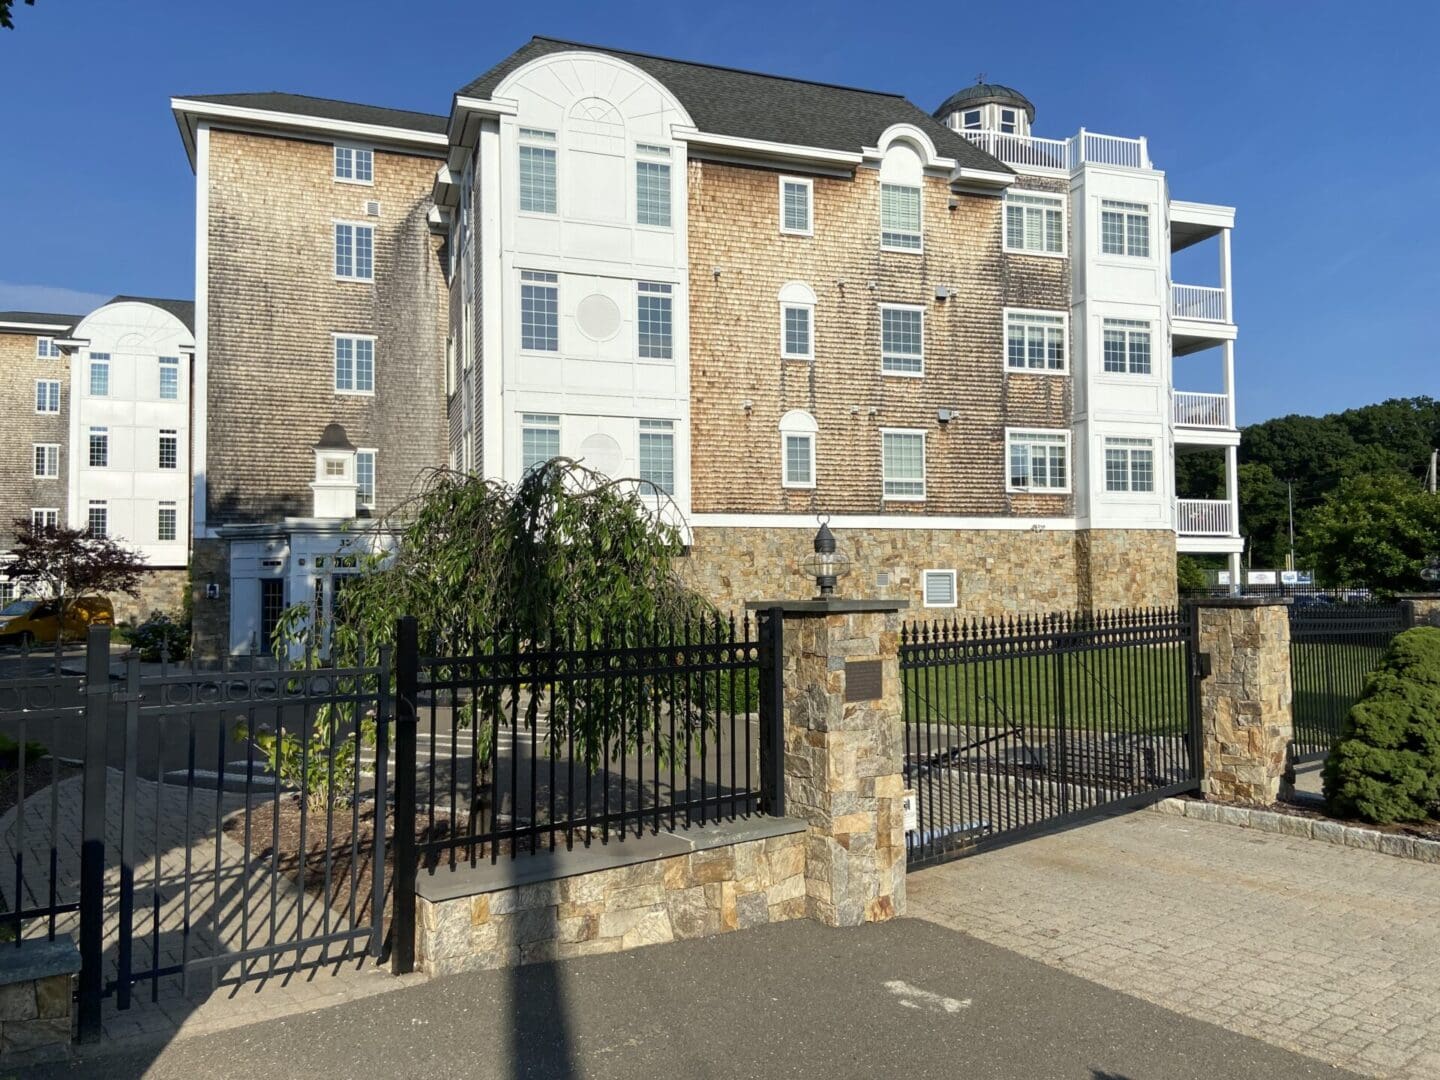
[[335, 468]]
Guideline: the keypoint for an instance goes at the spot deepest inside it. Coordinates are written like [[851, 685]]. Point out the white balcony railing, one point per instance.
[[1202, 517], [1201, 410], [1198, 302], [1064, 154]]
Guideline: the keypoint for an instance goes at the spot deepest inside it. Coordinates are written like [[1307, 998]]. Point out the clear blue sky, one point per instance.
[[1316, 120]]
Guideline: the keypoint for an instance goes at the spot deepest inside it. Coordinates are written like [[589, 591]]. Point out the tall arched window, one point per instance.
[[797, 449], [797, 321]]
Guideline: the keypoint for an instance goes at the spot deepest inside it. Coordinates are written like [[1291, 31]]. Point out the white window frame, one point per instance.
[[809, 186], [965, 124], [1014, 197], [1127, 210], [52, 450], [354, 151], [926, 575], [1050, 314], [374, 456], [885, 357], [548, 422], [545, 279], [797, 424], [659, 426], [89, 448], [1130, 328], [1128, 444], [104, 506], [655, 289], [172, 365], [49, 517], [355, 391], [46, 349], [924, 469], [1014, 435], [354, 247], [786, 353], [919, 234], [164, 433], [655, 154], [52, 394], [167, 504], [537, 139], [93, 362]]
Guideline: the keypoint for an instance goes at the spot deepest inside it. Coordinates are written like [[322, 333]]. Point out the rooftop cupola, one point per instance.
[[335, 483], [987, 107]]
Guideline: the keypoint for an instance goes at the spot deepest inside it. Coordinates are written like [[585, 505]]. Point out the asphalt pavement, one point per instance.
[[907, 1000]]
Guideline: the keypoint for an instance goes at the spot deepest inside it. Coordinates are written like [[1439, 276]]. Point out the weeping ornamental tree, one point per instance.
[[565, 560]]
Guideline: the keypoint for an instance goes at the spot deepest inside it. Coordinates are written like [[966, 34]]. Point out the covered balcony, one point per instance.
[[1200, 315]]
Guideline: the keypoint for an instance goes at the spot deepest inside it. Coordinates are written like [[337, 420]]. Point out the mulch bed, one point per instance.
[[39, 771], [344, 843], [1423, 830]]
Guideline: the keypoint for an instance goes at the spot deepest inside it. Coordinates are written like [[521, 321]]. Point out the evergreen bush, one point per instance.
[[1386, 766]]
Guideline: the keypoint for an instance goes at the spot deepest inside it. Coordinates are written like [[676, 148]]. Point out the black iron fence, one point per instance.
[[1333, 649], [1021, 724]]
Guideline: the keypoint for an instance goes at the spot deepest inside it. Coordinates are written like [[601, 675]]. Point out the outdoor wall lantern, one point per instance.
[[826, 565]]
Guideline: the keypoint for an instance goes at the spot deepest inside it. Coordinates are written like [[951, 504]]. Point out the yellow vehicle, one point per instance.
[[25, 622]]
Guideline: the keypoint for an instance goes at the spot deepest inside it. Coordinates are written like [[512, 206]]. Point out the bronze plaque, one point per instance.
[[862, 680]]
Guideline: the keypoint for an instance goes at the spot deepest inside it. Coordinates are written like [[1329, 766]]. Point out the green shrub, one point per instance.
[[1386, 766], [160, 636]]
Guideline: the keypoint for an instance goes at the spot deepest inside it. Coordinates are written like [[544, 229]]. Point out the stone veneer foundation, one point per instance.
[[664, 890], [998, 571]]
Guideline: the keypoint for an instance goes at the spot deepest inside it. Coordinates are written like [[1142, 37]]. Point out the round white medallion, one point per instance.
[[598, 317], [601, 453]]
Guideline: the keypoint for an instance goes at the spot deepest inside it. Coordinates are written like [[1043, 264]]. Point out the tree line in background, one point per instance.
[[1363, 514]]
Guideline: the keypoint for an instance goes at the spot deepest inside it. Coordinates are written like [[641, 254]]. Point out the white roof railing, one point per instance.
[[1063, 154]]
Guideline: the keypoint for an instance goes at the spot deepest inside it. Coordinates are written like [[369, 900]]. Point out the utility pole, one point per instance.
[[1434, 454]]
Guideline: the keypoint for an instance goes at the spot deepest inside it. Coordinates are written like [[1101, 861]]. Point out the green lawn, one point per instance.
[[1328, 679], [1135, 689]]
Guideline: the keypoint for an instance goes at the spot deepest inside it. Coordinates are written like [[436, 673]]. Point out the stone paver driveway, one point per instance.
[[1331, 951]]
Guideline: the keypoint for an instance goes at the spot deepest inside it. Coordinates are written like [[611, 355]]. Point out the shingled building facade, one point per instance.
[[775, 299]]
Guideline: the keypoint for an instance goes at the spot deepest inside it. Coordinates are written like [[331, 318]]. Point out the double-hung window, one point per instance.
[[652, 185], [539, 311], [654, 321], [902, 340], [900, 217], [354, 252], [354, 165], [797, 337], [796, 213], [537, 171], [47, 460], [656, 454], [99, 447], [169, 456], [365, 479], [1009, 121], [1129, 465], [902, 464], [1034, 223], [99, 374], [354, 364], [970, 119], [44, 517], [539, 439], [1039, 460], [1127, 346], [46, 349], [169, 378], [797, 449], [47, 396], [166, 521], [1035, 341], [1124, 229], [98, 518]]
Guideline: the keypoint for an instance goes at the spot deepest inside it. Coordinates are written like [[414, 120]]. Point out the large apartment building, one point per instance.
[[774, 299], [100, 433]]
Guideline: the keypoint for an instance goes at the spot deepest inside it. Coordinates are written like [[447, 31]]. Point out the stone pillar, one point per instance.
[[1423, 608], [1245, 718], [844, 754]]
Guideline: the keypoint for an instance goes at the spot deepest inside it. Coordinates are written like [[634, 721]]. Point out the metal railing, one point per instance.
[[1192, 409], [1016, 725], [1067, 154], [1203, 517], [1333, 649], [1203, 302]]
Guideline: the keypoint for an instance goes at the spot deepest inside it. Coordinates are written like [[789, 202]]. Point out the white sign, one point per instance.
[[1260, 577], [1289, 577], [1223, 577], [912, 811]]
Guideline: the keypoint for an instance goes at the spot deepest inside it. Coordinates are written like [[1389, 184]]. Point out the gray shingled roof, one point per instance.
[[38, 318], [747, 104], [184, 310], [329, 109]]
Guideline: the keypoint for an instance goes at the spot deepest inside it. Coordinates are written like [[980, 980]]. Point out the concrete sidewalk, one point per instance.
[[908, 999], [1318, 948]]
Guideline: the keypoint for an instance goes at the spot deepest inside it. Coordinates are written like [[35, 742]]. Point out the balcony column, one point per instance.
[[1228, 354], [1225, 272], [1232, 496]]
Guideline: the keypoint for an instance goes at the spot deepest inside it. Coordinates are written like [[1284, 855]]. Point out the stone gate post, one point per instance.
[[844, 754], [1245, 718]]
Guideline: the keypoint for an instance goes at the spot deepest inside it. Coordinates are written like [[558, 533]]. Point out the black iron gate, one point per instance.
[[1015, 726], [1333, 649]]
